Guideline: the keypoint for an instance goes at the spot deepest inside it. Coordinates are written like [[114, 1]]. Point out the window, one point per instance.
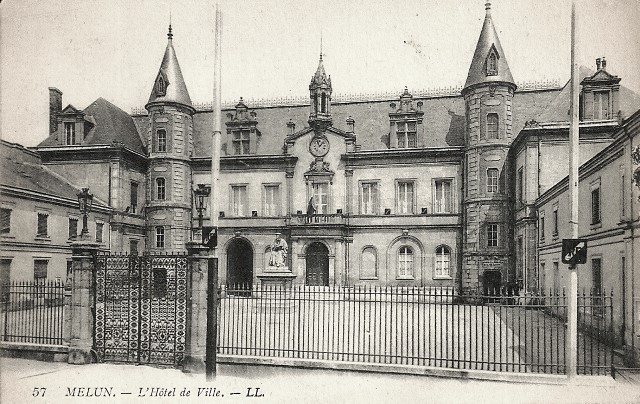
[[492, 64], [520, 185], [73, 228], [555, 221], [159, 237], [443, 196], [595, 206], [541, 226], [160, 90], [492, 235], [133, 247], [43, 226], [405, 262], [323, 103], [161, 136], [241, 141], [239, 200], [161, 189], [40, 271], [596, 274], [556, 277], [271, 200], [99, 227], [369, 198], [320, 195], [70, 132], [492, 180], [406, 133], [404, 197], [369, 263], [601, 105], [623, 195], [133, 197], [492, 126], [5, 221], [443, 262]]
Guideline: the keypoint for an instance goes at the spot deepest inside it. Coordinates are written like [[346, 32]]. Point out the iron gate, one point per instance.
[[140, 308]]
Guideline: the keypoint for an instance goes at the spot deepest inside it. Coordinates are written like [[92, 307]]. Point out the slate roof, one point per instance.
[[558, 108], [109, 124], [23, 169]]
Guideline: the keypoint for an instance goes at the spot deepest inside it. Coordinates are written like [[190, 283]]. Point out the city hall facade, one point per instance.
[[425, 189]]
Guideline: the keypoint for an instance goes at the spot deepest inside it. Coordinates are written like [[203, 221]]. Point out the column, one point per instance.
[[196, 335], [79, 327]]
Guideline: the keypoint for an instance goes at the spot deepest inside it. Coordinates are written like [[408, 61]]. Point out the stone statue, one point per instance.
[[279, 250]]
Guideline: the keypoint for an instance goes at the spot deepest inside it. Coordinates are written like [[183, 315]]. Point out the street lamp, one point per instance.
[[199, 194], [85, 201]]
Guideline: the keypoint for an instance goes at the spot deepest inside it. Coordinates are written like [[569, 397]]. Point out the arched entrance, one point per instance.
[[317, 260], [492, 282], [240, 264]]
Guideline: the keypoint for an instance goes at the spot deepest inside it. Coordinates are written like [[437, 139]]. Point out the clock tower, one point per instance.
[[320, 93]]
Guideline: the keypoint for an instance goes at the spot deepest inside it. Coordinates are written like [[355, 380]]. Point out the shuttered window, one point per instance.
[[99, 227], [73, 228], [43, 225], [595, 206], [5, 221], [40, 269]]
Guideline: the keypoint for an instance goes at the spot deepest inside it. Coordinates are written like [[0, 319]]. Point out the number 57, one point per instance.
[[39, 391]]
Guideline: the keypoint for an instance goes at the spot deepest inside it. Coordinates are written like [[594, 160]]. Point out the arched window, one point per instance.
[[323, 104], [160, 189], [159, 237], [443, 262], [492, 126], [405, 262], [161, 141], [369, 263]]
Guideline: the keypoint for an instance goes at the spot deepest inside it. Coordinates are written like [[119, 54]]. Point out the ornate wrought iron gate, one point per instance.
[[140, 308]]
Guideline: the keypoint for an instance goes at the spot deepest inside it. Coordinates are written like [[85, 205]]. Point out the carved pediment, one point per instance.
[[319, 168]]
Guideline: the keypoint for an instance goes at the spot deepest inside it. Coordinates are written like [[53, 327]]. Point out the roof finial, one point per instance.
[[487, 6], [321, 44], [170, 35]]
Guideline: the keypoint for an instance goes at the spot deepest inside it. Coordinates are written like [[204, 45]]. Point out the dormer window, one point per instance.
[[492, 62], [242, 131], [241, 141], [161, 86], [601, 105], [70, 133], [406, 134]]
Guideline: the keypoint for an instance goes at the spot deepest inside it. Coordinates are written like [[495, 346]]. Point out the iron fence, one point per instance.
[[32, 312], [414, 326]]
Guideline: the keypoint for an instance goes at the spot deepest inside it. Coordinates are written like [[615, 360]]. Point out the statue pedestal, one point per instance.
[[274, 295], [278, 278]]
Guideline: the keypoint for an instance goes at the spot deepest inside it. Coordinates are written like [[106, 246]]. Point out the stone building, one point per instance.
[[422, 189]]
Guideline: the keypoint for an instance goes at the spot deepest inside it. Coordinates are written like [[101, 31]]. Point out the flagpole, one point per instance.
[[574, 161], [212, 281]]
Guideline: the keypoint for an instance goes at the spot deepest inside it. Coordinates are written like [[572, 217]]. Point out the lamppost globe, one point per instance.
[[200, 193]]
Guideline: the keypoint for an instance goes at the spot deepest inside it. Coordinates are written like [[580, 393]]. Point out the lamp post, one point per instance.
[[85, 201], [199, 194]]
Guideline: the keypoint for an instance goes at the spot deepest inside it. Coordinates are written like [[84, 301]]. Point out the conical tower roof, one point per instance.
[[169, 85], [487, 43]]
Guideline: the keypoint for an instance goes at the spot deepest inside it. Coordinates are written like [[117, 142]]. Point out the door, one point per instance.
[[317, 261], [240, 264], [492, 282]]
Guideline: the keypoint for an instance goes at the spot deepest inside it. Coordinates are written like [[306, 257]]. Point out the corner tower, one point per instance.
[[488, 95], [169, 147]]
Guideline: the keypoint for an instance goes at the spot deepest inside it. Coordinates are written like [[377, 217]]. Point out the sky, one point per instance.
[[113, 49]]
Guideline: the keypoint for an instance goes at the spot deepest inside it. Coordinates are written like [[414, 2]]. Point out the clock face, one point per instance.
[[319, 146]]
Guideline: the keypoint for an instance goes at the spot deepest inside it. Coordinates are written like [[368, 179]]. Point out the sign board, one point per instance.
[[209, 237], [574, 251]]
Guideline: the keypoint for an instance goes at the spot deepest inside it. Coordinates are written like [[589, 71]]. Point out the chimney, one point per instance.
[[55, 106], [291, 126], [598, 64], [604, 63], [350, 125]]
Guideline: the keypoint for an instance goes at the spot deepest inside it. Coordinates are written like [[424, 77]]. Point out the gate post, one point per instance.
[[79, 308], [196, 335]]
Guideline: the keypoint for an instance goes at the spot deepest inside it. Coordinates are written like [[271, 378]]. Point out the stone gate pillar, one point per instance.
[[196, 335], [79, 306]]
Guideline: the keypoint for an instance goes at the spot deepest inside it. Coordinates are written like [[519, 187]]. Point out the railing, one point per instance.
[[319, 218], [32, 312], [420, 326]]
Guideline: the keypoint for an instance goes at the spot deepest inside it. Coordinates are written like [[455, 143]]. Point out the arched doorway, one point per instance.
[[317, 260], [240, 264]]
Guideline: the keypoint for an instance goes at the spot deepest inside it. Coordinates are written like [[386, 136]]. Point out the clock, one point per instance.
[[319, 146]]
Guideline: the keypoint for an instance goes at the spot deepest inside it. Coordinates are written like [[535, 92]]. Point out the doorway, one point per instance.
[[240, 264], [317, 260]]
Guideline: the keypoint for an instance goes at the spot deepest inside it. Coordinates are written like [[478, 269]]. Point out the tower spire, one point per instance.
[[320, 44], [170, 34]]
